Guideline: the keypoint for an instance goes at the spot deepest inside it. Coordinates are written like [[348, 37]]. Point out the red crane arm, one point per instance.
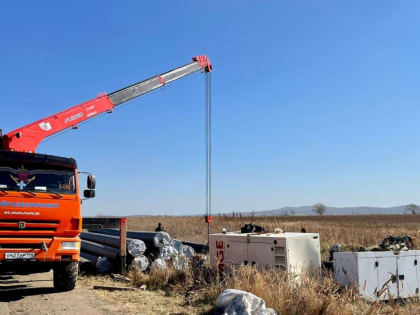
[[27, 138]]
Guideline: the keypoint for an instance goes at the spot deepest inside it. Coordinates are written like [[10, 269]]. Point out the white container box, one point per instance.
[[294, 252], [379, 275]]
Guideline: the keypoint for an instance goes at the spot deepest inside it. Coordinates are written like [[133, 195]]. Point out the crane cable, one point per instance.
[[208, 216]]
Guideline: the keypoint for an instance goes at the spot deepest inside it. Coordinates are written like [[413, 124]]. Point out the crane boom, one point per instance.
[[27, 138]]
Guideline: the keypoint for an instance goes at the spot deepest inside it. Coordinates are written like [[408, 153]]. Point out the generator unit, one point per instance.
[[380, 275], [292, 252]]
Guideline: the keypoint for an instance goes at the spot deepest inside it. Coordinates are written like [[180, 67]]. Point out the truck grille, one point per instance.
[[22, 246], [27, 229], [28, 225]]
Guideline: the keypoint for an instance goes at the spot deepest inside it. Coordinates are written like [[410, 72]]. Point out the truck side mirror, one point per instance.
[[89, 193], [91, 181]]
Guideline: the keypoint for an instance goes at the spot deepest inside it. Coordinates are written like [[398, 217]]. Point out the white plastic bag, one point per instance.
[[237, 302]]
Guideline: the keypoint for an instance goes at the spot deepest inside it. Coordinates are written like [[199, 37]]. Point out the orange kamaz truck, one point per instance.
[[40, 195]]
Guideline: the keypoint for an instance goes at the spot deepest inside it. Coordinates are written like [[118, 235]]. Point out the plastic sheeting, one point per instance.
[[172, 249], [188, 251], [167, 252], [136, 248], [141, 262], [159, 264], [162, 239], [176, 244], [237, 302], [180, 262]]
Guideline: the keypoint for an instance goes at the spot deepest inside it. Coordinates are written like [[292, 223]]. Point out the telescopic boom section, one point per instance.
[[27, 138]]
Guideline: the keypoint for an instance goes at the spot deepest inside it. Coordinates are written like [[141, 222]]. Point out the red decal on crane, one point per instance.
[[161, 80]]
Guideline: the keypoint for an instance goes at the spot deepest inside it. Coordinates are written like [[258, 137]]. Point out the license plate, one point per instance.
[[20, 255]]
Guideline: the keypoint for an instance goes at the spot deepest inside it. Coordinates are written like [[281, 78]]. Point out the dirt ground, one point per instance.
[[34, 294]]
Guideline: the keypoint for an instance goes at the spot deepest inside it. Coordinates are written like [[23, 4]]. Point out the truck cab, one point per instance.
[[40, 215]]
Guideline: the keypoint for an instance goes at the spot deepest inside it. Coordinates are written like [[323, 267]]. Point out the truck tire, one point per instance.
[[65, 276]]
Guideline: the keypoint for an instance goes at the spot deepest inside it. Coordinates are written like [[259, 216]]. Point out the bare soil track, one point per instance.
[[34, 294]]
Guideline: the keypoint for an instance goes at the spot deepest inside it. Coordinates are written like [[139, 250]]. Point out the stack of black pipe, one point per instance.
[[96, 245], [106, 243], [147, 238]]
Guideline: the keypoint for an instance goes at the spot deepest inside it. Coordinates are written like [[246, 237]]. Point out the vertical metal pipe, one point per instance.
[[123, 244]]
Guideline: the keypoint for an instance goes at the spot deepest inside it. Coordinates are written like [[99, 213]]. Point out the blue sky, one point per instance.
[[313, 101]]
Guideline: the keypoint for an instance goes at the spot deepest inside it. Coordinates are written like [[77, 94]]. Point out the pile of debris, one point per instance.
[[398, 243], [395, 243], [144, 250]]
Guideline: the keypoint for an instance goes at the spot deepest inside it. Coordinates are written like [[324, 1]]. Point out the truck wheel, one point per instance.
[[65, 276]]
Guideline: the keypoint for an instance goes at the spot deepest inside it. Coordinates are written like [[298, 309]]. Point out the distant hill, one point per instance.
[[303, 210], [307, 210]]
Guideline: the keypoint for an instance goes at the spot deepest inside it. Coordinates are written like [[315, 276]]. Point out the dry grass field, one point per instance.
[[313, 295], [352, 231]]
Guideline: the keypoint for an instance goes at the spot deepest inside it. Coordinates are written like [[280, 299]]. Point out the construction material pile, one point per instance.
[[144, 250], [171, 249]]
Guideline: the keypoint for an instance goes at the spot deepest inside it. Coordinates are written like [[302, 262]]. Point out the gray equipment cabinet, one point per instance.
[[380, 275]]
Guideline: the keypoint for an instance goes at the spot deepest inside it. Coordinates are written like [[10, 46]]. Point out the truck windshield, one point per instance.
[[37, 179]]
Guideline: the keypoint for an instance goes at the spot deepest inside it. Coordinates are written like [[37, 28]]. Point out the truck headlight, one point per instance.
[[70, 245]]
